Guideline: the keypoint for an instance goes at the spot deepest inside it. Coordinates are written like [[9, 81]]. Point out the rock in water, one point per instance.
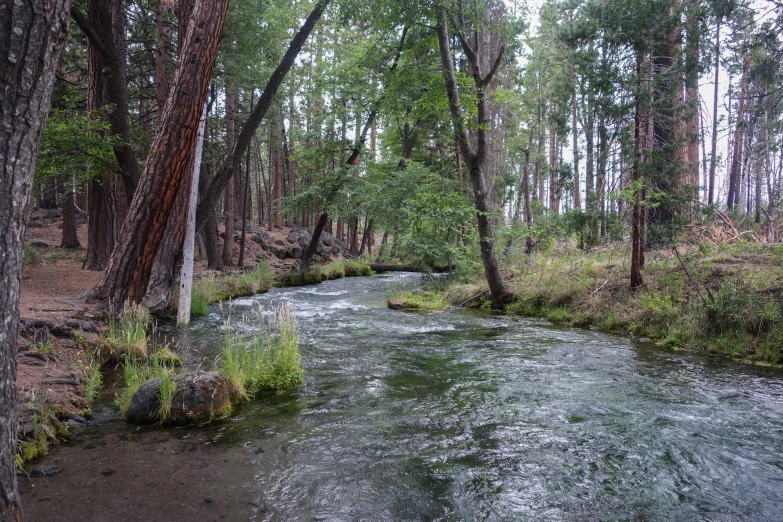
[[145, 403], [199, 397]]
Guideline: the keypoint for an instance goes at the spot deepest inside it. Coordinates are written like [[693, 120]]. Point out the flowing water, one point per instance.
[[448, 416]]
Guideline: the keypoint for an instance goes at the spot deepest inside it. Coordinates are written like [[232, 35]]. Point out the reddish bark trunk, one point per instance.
[[167, 165]]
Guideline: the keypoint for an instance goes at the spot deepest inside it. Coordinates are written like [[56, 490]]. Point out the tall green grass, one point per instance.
[[136, 371], [267, 359], [129, 335], [213, 289]]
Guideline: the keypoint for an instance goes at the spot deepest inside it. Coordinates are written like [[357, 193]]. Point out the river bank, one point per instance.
[[64, 341], [717, 299]]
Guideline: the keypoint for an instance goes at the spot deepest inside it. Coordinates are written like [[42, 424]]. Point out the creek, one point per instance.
[[461, 415]]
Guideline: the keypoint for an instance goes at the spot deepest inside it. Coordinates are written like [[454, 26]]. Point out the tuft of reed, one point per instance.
[[263, 355]]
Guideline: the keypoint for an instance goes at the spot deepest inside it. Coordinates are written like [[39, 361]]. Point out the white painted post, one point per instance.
[[186, 274]]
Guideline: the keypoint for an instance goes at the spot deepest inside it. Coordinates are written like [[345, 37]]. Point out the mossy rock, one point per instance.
[[200, 397]]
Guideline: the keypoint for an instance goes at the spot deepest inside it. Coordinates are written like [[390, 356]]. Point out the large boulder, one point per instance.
[[200, 396], [295, 252]]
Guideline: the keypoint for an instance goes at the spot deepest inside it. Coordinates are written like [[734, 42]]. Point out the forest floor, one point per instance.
[[57, 329]]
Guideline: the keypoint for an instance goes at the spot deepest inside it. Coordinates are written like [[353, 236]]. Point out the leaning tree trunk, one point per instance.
[[234, 156], [32, 35], [167, 165]]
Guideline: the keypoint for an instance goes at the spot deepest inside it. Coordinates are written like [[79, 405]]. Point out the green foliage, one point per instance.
[[130, 336], [31, 257], [75, 145], [92, 380], [136, 371], [265, 360]]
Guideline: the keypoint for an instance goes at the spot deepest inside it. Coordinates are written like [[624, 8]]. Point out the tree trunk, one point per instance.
[[577, 188], [163, 9], [167, 165], [107, 203], [211, 237], [736, 162], [476, 160], [637, 243], [168, 259], [228, 239], [32, 35], [276, 165], [186, 278], [70, 238], [105, 29], [714, 137], [692, 91], [245, 198]]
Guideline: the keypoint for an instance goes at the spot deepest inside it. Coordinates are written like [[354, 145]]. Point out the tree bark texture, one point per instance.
[[32, 34], [167, 165], [168, 260]]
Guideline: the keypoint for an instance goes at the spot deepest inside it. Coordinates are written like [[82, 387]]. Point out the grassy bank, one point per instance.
[[213, 289], [718, 299], [334, 270]]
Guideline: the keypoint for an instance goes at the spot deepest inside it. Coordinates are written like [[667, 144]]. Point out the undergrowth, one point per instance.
[[724, 300]]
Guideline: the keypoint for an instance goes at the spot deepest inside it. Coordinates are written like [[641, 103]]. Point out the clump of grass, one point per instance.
[[211, 289], [45, 428], [266, 360], [357, 269], [137, 371], [164, 356], [31, 257], [130, 336], [48, 347], [92, 380], [300, 278], [400, 297], [334, 270]]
